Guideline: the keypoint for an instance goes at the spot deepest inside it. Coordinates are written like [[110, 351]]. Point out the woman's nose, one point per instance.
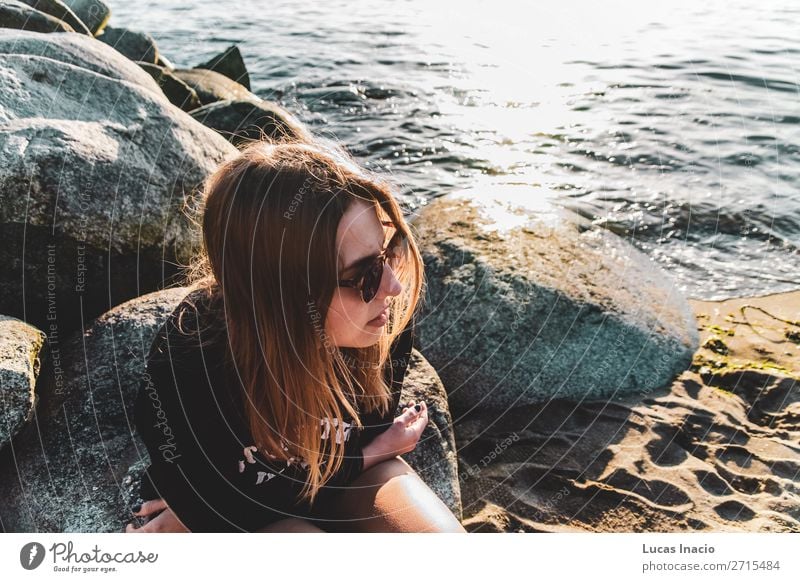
[[390, 285]]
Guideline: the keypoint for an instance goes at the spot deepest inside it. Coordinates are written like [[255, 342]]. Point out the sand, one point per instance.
[[717, 450]]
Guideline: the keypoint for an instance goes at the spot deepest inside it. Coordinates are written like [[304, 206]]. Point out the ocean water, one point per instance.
[[674, 126]]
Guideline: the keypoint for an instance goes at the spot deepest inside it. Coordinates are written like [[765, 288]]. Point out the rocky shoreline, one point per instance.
[[572, 386]]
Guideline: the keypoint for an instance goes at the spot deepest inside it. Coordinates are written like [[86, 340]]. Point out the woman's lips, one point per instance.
[[381, 320]]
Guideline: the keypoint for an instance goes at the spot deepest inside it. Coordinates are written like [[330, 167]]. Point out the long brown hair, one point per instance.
[[269, 222]]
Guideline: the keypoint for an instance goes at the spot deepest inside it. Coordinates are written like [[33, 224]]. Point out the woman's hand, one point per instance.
[[399, 438], [164, 520]]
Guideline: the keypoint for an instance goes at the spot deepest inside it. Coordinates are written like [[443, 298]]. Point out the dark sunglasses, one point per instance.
[[368, 280]]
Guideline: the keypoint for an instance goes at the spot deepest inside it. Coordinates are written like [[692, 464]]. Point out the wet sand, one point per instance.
[[717, 450]]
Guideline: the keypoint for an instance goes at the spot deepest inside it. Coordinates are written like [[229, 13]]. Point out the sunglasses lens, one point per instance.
[[372, 281], [398, 249]]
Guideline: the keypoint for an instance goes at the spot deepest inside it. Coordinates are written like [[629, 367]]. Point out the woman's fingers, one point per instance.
[[413, 411], [149, 527], [146, 528], [166, 521], [151, 506], [415, 418], [421, 418]]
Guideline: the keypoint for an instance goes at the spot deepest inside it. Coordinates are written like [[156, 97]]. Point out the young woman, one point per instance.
[[270, 393]]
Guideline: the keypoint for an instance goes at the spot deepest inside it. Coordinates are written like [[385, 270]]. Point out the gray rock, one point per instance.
[[246, 120], [93, 13], [522, 308], [57, 9], [435, 459], [76, 467], [79, 50], [137, 46], [21, 352], [96, 175], [178, 92], [212, 87], [21, 16], [229, 63]]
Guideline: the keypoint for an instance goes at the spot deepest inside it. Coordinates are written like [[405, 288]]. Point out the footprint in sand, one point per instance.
[[750, 485], [785, 468], [734, 511], [737, 455], [654, 490], [665, 449], [712, 483]]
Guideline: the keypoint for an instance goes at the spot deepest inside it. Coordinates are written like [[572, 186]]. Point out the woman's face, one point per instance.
[[350, 322]]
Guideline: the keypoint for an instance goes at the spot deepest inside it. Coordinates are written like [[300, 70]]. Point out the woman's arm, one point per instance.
[[399, 438], [201, 463], [388, 435], [394, 375]]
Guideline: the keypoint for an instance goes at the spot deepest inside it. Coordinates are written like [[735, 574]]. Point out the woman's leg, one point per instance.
[[291, 525], [391, 497]]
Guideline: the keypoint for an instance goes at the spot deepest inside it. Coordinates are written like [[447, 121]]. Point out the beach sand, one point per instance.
[[718, 450]]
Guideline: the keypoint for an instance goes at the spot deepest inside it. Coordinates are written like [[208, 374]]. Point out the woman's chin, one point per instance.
[[369, 337], [372, 335], [372, 338]]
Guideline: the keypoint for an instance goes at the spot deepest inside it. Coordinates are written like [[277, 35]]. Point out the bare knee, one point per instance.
[[292, 525], [391, 496], [384, 471]]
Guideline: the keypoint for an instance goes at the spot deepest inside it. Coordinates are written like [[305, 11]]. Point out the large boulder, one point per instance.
[[21, 352], [76, 467], [211, 86], [229, 63], [96, 174], [436, 458], [137, 46], [23, 17], [525, 306], [78, 50], [57, 9], [245, 120], [93, 13], [176, 91]]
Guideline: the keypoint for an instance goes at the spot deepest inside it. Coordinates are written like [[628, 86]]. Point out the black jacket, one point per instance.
[[203, 463]]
